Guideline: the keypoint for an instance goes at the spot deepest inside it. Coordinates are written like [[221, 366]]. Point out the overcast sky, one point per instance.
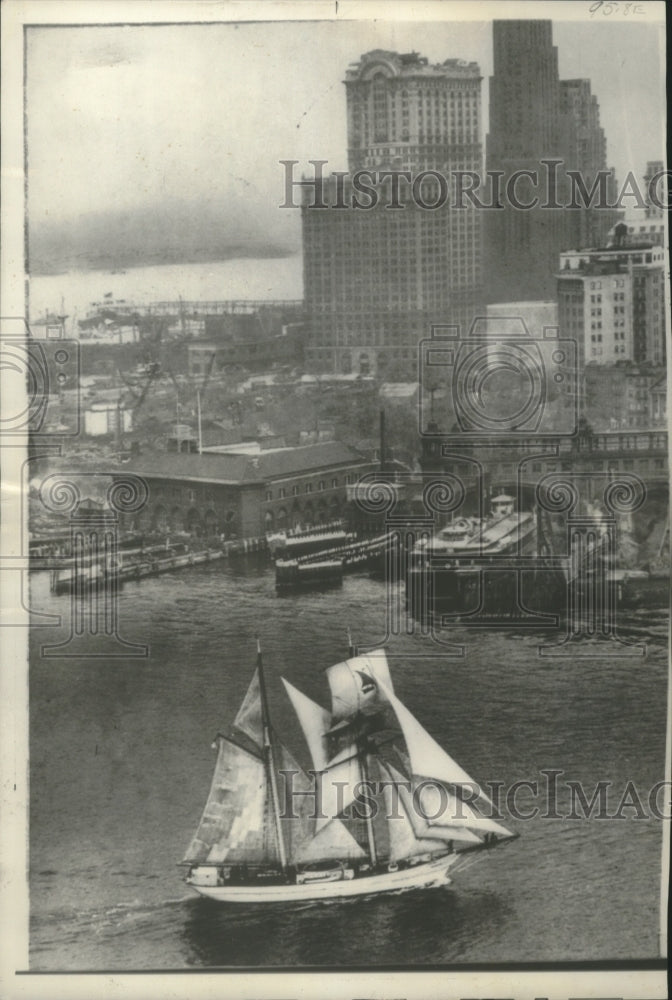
[[120, 117]]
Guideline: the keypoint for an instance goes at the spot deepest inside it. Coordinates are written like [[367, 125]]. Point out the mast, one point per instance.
[[200, 432], [363, 768], [268, 758]]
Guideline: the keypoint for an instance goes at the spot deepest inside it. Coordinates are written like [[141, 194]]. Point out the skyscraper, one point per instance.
[[407, 115], [536, 117], [376, 278], [587, 153]]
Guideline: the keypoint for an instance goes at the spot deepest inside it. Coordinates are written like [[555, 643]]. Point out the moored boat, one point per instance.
[[490, 568]]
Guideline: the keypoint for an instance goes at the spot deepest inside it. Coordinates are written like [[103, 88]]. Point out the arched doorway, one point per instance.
[[210, 522], [309, 515], [160, 518], [230, 524], [176, 519], [192, 522], [282, 518]]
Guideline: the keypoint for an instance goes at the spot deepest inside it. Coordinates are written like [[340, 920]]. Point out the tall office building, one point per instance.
[[536, 117], [407, 115], [376, 279], [611, 301], [586, 152], [655, 199]]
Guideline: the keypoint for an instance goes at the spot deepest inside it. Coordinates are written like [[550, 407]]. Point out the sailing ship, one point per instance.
[[383, 809]]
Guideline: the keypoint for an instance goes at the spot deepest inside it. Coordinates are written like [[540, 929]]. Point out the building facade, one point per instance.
[[611, 300], [377, 276], [405, 114], [244, 491], [536, 117]]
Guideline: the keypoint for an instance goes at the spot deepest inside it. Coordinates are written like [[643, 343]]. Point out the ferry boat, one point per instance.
[[491, 567], [323, 841]]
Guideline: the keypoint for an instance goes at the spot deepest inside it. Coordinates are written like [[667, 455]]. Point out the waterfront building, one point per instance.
[[517, 467], [245, 490], [536, 117], [611, 301], [377, 278]]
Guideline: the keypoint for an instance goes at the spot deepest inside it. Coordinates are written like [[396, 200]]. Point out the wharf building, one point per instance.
[[536, 117], [376, 279], [243, 491]]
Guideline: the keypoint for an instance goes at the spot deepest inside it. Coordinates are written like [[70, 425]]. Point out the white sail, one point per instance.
[[427, 758], [444, 811], [296, 802], [232, 825], [421, 828], [248, 719], [403, 842], [337, 786], [332, 841], [441, 808], [357, 684], [314, 721]]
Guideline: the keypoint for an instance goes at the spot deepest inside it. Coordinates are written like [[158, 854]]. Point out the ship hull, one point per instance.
[[485, 594], [430, 875]]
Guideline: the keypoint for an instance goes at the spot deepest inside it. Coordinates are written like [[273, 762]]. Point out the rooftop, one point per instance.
[[247, 468], [407, 64]]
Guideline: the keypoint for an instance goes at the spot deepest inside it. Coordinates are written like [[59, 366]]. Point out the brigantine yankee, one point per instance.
[[383, 808]]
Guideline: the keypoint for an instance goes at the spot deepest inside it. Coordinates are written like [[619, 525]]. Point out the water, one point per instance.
[[245, 278], [121, 765]]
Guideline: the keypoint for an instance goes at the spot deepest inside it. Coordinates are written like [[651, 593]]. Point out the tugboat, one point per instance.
[[386, 809], [488, 568]]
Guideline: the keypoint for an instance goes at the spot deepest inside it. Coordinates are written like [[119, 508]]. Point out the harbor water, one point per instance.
[[121, 763]]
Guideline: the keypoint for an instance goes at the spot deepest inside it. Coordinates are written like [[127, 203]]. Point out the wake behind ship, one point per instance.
[[383, 809]]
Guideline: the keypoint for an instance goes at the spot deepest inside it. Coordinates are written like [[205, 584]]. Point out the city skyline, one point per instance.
[[126, 128]]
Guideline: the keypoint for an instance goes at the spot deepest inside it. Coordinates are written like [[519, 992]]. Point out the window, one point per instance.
[[321, 485], [296, 490], [192, 496], [269, 494], [309, 487], [334, 483], [282, 492]]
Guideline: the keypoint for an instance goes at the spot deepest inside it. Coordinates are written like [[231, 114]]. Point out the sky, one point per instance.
[[129, 117]]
